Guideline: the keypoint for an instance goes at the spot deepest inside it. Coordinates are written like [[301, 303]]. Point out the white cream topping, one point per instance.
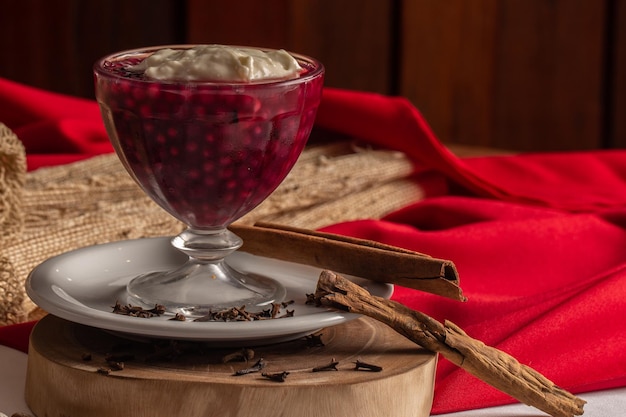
[[218, 63]]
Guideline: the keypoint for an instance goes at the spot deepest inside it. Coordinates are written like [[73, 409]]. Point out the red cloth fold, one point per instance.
[[54, 128], [575, 181], [16, 336], [539, 239]]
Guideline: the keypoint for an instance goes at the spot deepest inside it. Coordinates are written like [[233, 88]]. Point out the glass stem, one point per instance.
[[207, 245]]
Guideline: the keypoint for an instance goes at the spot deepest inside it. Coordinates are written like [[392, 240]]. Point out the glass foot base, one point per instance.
[[197, 289]]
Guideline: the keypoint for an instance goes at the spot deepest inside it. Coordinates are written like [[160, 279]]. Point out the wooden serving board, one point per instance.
[[66, 360]]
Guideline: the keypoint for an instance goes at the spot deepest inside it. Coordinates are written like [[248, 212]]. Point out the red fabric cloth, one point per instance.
[[16, 336], [55, 129], [538, 239]]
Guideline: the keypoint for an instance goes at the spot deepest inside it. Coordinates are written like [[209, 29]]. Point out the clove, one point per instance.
[[137, 311], [332, 366], [103, 371], [277, 377], [314, 340], [257, 367], [366, 366], [179, 317], [240, 314]]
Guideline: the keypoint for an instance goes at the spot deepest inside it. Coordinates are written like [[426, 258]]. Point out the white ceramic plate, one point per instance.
[[84, 284]]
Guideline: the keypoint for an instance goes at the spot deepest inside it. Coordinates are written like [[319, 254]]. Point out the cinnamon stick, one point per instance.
[[491, 365], [358, 257]]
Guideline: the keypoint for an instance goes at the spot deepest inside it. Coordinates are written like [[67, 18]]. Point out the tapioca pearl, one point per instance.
[[247, 103], [161, 138], [231, 185], [260, 131], [226, 197], [191, 146], [174, 151], [228, 100], [172, 132], [201, 98], [234, 137], [244, 170], [173, 97], [284, 104], [145, 110], [125, 87], [199, 111], [159, 109], [262, 113], [248, 165], [232, 103], [209, 166], [187, 93], [272, 142], [129, 102], [150, 132], [235, 157], [204, 207], [229, 200], [224, 160], [168, 104], [250, 137], [113, 101], [119, 88], [153, 92], [210, 181], [194, 130], [255, 159], [210, 138], [279, 155], [227, 172], [205, 153], [249, 183], [139, 93]]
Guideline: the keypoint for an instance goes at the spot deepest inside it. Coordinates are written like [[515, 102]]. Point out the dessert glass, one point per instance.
[[207, 152]]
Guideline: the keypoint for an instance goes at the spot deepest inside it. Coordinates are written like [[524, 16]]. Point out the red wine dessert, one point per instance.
[[208, 152]]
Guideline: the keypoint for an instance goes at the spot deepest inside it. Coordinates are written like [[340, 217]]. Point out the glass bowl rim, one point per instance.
[[98, 68]]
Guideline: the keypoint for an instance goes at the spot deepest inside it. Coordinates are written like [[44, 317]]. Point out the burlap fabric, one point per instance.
[[53, 210]]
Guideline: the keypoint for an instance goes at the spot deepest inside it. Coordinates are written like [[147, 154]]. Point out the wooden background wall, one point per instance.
[[513, 74]]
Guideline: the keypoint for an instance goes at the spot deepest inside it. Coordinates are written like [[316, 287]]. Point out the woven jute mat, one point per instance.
[[53, 210]]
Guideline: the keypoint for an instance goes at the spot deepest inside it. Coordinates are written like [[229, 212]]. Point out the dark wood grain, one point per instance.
[[351, 37], [509, 74], [550, 75], [616, 87], [448, 66], [53, 44], [514, 74], [246, 22]]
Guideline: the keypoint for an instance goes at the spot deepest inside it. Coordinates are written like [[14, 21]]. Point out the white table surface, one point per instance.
[[610, 403], [12, 381]]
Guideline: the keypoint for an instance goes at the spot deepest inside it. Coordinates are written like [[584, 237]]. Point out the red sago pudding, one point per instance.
[[208, 132], [207, 152]]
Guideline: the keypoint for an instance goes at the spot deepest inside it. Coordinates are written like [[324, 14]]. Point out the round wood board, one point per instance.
[[67, 375]]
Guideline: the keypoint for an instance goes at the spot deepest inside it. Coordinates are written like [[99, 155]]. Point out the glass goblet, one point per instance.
[[207, 153]]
